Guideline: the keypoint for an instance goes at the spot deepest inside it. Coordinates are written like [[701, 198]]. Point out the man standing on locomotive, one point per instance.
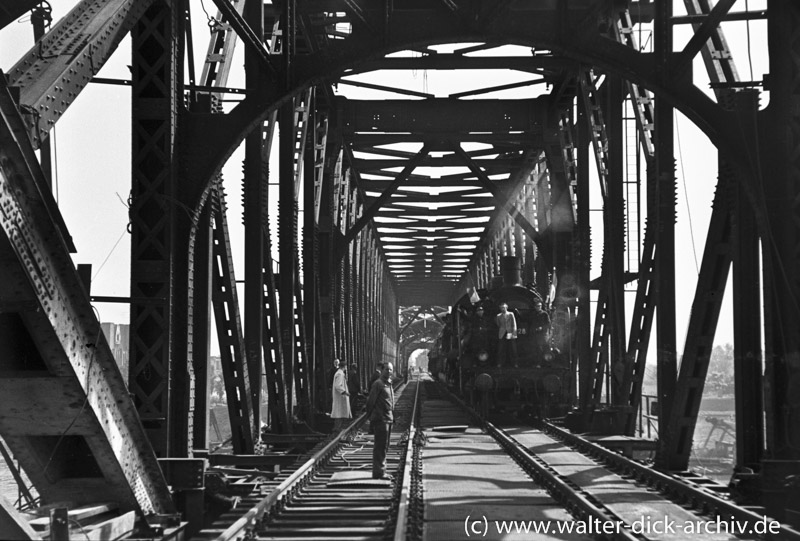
[[506, 336], [540, 324]]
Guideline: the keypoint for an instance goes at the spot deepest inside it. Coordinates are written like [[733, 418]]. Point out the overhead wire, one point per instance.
[[749, 52], [93, 348], [127, 230], [55, 163], [686, 192], [109, 253]]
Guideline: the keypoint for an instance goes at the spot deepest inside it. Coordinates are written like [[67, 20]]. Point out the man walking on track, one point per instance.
[[380, 408]]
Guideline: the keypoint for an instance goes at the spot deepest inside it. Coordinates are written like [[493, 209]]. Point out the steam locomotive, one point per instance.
[[499, 370]]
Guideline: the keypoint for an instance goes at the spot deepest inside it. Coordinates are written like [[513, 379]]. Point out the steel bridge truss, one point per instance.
[[379, 233]]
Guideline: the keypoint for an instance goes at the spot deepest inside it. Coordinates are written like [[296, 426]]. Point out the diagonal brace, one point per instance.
[[412, 320], [702, 35], [500, 197], [370, 213], [355, 9], [247, 34], [52, 74]]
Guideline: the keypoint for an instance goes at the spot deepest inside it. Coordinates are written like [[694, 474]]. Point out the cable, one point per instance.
[[109, 253], [93, 347], [80, 527], [55, 162], [212, 22], [685, 192], [749, 55]]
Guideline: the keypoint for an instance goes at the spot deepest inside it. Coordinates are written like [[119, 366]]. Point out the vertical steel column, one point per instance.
[[780, 177], [201, 326], [255, 203], [155, 92], [529, 250], [369, 278], [287, 245], [310, 264], [41, 18], [543, 262], [615, 231], [341, 201], [328, 295], [358, 299], [350, 291], [585, 364], [746, 330], [377, 299], [664, 188], [235, 369]]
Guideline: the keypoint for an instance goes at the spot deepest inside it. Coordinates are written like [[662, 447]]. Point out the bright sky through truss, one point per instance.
[[92, 144]]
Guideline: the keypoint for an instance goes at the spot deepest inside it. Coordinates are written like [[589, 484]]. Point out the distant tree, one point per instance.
[[720, 369]]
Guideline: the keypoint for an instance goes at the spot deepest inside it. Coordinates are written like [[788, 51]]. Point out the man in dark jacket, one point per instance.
[[353, 386], [540, 326], [375, 375], [380, 408]]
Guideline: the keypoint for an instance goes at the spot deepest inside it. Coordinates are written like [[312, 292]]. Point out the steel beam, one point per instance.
[[52, 74], [234, 360], [747, 337], [258, 146], [502, 198], [702, 34], [584, 328], [153, 215], [385, 196], [711, 283], [438, 117], [201, 327], [287, 246], [314, 157], [531, 64], [249, 37], [84, 421], [780, 177], [614, 241], [663, 185]]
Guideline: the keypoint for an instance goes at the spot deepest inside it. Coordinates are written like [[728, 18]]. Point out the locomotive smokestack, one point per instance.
[[511, 270]]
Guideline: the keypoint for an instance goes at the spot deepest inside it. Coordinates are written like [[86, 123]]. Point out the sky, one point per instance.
[[92, 156]]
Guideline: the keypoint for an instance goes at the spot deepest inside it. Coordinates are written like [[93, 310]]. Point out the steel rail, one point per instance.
[[575, 502], [672, 487], [401, 526], [669, 485], [241, 528]]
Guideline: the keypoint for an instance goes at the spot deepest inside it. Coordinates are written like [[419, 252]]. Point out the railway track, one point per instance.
[[606, 495], [332, 494], [473, 471]]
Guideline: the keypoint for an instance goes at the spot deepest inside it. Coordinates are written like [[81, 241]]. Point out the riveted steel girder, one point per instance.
[[74, 419], [52, 74], [434, 118]]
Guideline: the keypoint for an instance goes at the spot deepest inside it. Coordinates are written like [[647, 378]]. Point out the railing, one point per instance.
[[647, 420]]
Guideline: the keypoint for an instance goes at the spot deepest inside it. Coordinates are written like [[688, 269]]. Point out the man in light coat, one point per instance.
[[340, 411], [506, 336]]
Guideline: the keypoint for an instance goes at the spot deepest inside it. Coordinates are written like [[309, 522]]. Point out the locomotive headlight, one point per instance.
[[482, 356]]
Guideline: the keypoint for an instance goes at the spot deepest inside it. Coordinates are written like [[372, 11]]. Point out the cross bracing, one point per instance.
[[410, 197]]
